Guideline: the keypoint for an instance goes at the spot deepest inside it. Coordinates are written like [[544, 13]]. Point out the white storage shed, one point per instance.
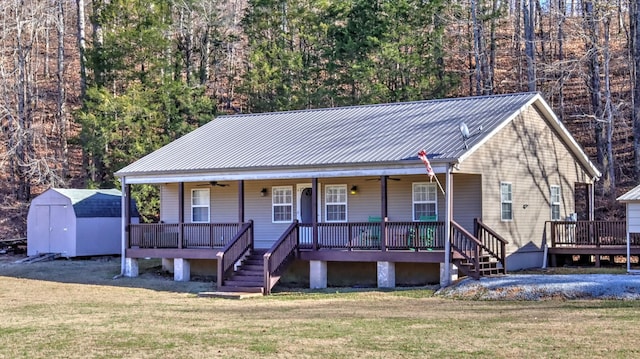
[[632, 200], [76, 222]]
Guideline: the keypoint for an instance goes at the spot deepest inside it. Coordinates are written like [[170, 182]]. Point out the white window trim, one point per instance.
[[552, 203], [207, 206], [414, 202], [273, 205], [327, 203], [502, 201]]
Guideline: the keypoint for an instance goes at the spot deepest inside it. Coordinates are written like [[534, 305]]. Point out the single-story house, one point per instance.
[[343, 191], [76, 222], [632, 201]]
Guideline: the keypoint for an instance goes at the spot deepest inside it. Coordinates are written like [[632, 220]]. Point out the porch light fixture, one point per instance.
[[354, 190], [263, 192]]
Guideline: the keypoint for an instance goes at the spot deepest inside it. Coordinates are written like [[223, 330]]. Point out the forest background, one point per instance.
[[88, 86]]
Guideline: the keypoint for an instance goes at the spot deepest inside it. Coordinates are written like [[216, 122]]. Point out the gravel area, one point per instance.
[[544, 286]]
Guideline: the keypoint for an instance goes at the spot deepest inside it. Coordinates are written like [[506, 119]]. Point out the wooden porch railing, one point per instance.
[[589, 234], [279, 256], [234, 250], [492, 242], [193, 235], [154, 235], [367, 235], [466, 245]]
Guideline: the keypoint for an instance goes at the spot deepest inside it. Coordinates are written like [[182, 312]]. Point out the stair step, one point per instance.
[[238, 282], [250, 267], [251, 274], [240, 289], [254, 262]]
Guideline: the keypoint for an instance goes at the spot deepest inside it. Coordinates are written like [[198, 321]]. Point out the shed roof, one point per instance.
[[96, 202], [632, 195], [356, 135]]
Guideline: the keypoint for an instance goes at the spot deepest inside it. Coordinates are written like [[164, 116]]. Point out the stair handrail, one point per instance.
[[464, 243], [280, 254], [234, 250], [492, 242]]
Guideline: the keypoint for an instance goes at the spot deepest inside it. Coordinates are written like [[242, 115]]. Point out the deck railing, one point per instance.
[[493, 243], [467, 246], [154, 235], [590, 234], [280, 254], [193, 235], [234, 250], [367, 235]]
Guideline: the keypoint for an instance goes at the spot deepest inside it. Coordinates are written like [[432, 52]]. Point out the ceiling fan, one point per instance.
[[213, 184]]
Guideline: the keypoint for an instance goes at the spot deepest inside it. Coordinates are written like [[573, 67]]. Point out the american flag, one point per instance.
[[423, 156]]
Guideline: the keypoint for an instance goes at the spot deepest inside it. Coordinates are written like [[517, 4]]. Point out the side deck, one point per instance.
[[589, 238]]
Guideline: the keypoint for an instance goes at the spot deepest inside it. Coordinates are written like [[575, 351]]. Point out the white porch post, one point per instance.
[[445, 280], [181, 270], [386, 275], [317, 274], [123, 224]]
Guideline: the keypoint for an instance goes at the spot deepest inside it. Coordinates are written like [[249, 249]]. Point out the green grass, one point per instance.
[[49, 318]]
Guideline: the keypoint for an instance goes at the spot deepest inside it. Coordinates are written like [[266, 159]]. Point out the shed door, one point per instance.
[[58, 231], [51, 230]]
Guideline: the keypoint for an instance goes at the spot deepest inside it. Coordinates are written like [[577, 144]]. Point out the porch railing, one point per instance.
[[193, 235], [367, 235], [493, 243], [466, 245], [590, 234], [280, 254], [234, 250]]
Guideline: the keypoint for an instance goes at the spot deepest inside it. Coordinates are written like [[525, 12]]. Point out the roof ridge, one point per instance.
[[373, 105]]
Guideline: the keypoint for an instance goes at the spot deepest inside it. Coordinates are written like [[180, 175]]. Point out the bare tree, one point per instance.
[[82, 46], [528, 11], [634, 15]]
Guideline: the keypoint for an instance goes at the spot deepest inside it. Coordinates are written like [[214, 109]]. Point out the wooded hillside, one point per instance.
[[92, 85]]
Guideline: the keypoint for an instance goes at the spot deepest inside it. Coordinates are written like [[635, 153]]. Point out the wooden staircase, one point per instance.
[[479, 255], [249, 276]]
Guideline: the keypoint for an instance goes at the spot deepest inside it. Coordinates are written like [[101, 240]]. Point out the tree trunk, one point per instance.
[[61, 113], [609, 165], [595, 88], [561, 20], [529, 33], [635, 37], [82, 48]]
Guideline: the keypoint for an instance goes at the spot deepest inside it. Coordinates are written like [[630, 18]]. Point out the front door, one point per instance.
[[305, 211]]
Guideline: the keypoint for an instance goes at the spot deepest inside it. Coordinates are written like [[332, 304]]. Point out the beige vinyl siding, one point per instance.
[[169, 203], [467, 199], [224, 203], [530, 155]]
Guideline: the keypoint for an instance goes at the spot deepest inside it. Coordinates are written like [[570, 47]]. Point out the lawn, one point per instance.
[[44, 316]]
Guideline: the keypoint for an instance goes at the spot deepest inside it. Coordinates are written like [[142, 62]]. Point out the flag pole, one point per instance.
[[439, 185]]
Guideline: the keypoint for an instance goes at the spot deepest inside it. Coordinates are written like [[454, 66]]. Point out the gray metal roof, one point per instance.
[[91, 203], [632, 195], [383, 133]]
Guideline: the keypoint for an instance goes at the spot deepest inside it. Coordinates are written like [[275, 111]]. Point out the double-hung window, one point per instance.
[[506, 201], [555, 203], [425, 202], [282, 204], [335, 203], [200, 205]]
